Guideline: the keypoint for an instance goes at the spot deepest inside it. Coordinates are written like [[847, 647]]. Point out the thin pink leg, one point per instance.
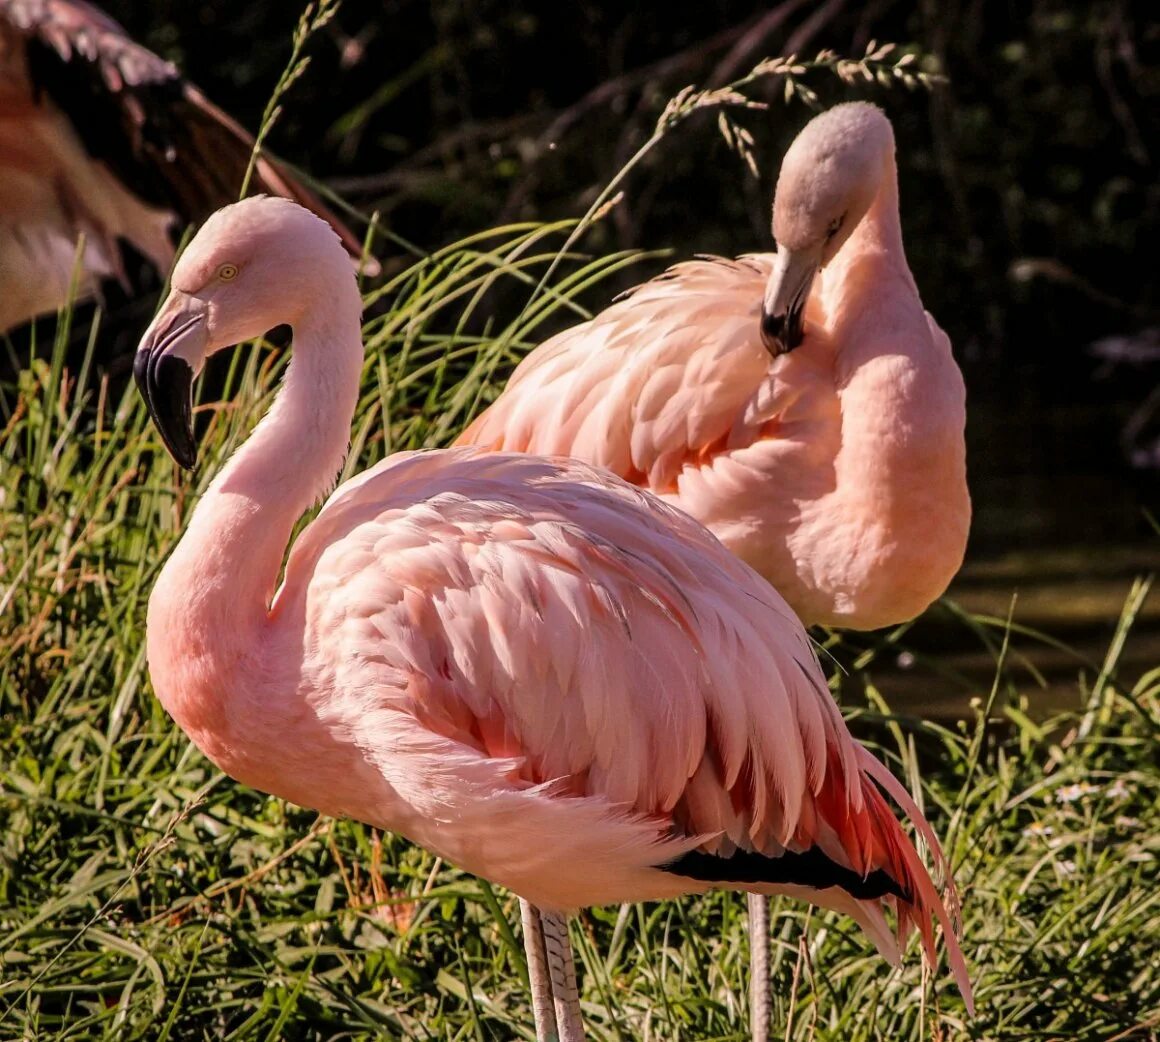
[[545, 1015], [759, 999]]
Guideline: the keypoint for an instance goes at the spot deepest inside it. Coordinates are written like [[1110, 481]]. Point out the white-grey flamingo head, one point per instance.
[[253, 265], [828, 181]]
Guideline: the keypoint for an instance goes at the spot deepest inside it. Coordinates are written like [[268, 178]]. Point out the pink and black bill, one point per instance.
[[166, 383], [783, 309], [781, 333]]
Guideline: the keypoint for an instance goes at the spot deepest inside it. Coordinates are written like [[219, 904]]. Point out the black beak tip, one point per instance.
[[185, 457], [782, 333], [166, 384], [773, 333]]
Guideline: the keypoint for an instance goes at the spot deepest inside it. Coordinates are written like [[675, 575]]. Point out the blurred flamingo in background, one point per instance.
[[100, 137], [838, 471], [526, 665]]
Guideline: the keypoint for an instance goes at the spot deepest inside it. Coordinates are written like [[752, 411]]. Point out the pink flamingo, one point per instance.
[[838, 472], [533, 669]]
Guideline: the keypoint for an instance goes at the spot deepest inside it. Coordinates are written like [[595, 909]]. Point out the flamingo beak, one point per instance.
[[786, 293], [168, 358]]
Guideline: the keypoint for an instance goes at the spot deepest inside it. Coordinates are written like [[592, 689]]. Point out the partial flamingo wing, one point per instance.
[[601, 646], [670, 374], [137, 114]]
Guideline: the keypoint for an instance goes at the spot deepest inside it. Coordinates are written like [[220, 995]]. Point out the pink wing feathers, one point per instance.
[[611, 657], [668, 375]]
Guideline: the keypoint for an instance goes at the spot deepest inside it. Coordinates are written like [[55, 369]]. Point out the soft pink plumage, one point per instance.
[[530, 667], [837, 471]]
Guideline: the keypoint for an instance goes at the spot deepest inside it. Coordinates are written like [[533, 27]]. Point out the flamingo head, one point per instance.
[[829, 179], [253, 265]]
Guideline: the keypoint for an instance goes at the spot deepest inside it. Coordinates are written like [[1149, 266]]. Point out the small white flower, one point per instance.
[[1118, 790], [1037, 830], [1071, 793], [905, 660], [1066, 868], [1123, 821]]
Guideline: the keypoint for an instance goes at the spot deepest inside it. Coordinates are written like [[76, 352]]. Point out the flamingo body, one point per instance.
[[471, 647], [837, 471], [528, 666]]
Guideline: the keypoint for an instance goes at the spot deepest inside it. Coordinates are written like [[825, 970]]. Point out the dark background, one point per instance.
[[1029, 184]]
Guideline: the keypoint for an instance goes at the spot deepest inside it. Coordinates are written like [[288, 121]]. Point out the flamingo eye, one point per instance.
[[835, 224], [227, 272]]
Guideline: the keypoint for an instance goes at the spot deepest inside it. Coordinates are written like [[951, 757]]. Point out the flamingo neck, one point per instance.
[[876, 241], [900, 467], [291, 460], [208, 623]]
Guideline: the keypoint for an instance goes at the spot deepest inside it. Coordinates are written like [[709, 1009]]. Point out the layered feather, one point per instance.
[[563, 663]]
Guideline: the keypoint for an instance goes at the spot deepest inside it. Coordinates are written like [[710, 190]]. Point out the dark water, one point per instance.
[[1072, 596], [1062, 528]]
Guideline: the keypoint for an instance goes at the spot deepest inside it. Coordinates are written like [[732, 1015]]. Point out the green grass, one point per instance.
[[144, 895]]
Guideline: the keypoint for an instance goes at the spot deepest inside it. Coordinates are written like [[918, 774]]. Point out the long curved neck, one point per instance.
[[209, 609], [876, 241], [871, 300], [902, 460]]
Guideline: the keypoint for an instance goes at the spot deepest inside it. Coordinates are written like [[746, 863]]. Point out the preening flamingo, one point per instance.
[[100, 137], [838, 471], [533, 669]]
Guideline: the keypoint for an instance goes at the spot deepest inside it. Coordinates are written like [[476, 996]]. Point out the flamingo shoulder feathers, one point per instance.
[[668, 376]]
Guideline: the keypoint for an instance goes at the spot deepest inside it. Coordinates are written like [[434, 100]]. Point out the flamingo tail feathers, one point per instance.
[[926, 902]]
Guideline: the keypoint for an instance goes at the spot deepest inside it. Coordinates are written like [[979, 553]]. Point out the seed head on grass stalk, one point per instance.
[[873, 66], [316, 16]]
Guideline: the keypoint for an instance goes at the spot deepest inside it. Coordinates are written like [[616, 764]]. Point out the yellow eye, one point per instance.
[[227, 272]]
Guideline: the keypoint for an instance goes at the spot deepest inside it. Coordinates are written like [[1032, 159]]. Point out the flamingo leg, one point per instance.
[[542, 1011], [565, 994], [759, 999]]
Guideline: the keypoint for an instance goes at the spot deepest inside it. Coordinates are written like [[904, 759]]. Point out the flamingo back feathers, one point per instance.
[[664, 377], [617, 660]]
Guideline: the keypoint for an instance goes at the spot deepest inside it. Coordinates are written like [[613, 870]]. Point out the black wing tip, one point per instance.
[[810, 868]]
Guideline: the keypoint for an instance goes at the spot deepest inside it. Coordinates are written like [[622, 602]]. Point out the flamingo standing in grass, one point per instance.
[[537, 671], [838, 471]]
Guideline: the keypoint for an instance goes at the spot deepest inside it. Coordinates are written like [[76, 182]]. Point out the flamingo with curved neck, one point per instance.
[[801, 405], [525, 665]]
